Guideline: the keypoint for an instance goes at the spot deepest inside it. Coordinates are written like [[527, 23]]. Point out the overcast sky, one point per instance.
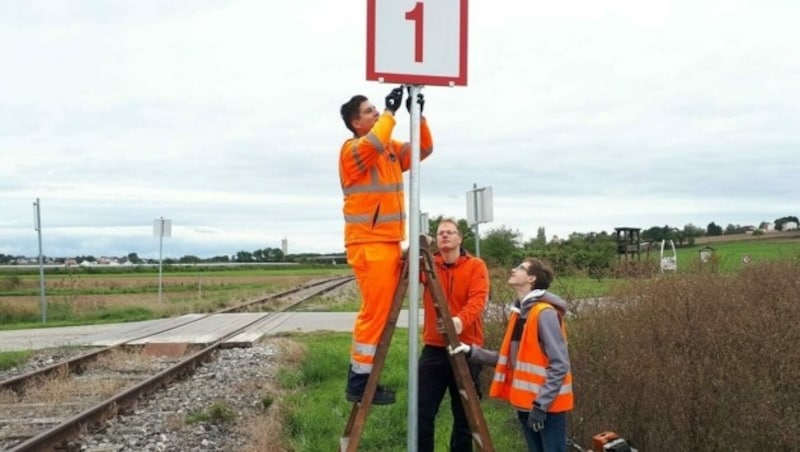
[[223, 116]]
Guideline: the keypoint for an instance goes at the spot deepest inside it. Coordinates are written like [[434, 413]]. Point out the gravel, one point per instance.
[[170, 420]]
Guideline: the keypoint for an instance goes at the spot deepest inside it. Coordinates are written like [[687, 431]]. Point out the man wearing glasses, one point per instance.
[[532, 369], [371, 166], [465, 284]]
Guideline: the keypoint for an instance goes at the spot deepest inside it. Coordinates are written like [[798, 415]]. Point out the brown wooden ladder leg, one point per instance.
[[358, 413], [469, 395]]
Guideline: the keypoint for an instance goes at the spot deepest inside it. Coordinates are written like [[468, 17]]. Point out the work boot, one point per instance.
[[356, 383]]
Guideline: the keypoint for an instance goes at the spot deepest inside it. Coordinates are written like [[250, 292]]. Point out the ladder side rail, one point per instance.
[[358, 413]]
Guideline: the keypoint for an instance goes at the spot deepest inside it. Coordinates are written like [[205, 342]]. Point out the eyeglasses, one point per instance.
[[520, 267], [370, 110], [446, 232]]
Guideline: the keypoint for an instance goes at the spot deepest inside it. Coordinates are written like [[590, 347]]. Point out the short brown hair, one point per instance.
[[543, 273], [351, 109]]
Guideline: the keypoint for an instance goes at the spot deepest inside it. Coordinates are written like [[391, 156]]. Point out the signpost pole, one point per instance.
[[413, 270]]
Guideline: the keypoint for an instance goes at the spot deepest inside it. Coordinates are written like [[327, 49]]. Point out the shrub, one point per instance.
[[697, 361]]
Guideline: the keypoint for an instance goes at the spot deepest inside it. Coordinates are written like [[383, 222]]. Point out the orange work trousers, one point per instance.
[[377, 269]]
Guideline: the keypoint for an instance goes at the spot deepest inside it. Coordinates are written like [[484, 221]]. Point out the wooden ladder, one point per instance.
[[469, 396]]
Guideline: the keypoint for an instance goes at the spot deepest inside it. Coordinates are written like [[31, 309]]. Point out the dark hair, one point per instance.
[[351, 109], [543, 273]]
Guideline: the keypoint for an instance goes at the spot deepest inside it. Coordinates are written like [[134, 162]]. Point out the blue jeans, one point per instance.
[[553, 438]]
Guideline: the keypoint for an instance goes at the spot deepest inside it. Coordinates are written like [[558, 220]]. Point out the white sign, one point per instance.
[[162, 228], [417, 42], [479, 206]]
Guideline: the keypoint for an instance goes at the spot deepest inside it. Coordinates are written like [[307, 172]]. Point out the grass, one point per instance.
[[317, 410], [13, 359], [94, 298]]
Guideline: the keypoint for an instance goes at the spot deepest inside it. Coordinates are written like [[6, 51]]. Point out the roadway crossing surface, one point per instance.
[[207, 330]]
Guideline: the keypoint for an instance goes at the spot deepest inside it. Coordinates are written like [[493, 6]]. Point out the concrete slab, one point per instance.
[[184, 329]]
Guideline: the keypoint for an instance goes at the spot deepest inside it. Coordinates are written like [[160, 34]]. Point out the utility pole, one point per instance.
[[37, 226]]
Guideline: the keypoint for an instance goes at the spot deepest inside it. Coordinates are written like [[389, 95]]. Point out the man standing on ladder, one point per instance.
[[465, 284], [371, 166]]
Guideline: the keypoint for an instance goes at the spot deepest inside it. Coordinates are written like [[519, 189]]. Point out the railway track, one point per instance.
[[95, 387]]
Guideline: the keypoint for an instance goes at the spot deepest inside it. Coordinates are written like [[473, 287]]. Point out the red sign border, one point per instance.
[[413, 79]]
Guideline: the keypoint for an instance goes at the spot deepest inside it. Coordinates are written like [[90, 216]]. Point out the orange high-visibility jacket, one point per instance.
[[519, 382], [371, 173], [465, 285]]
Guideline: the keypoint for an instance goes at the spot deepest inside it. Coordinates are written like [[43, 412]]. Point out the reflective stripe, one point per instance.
[[533, 388], [531, 368], [360, 368], [404, 150], [368, 218], [499, 377], [502, 359], [373, 188], [357, 157], [375, 141], [364, 349]]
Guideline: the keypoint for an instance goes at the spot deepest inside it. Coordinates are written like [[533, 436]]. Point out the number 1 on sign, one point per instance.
[[416, 15]]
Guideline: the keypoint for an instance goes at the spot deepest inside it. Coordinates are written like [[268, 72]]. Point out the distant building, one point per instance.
[[285, 246], [790, 226]]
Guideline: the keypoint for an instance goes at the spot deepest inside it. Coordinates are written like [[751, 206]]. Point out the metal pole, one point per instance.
[[477, 216], [160, 254], [37, 225], [413, 269]]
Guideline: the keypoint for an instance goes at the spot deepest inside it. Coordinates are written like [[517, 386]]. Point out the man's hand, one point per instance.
[[457, 324], [420, 101], [463, 348], [394, 99], [536, 419]]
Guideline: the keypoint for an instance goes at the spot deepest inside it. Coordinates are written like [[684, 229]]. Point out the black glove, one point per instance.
[[536, 419], [394, 99], [420, 101]]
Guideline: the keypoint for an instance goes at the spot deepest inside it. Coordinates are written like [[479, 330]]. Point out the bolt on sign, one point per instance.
[[417, 42]]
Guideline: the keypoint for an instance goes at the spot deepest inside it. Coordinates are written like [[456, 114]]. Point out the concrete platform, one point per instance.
[[204, 331]]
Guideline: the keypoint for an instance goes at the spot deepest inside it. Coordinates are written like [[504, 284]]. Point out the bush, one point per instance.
[[697, 361]]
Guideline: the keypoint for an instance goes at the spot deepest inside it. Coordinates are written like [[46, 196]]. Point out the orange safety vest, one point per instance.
[[371, 174], [519, 383]]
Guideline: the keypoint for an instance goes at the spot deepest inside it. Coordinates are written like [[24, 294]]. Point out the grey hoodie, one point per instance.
[[550, 340]]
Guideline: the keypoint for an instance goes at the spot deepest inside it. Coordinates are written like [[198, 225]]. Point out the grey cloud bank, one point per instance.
[[224, 118]]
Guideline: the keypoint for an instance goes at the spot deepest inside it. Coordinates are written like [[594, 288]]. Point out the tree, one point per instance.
[[133, 258], [500, 246], [713, 229], [244, 256], [780, 222]]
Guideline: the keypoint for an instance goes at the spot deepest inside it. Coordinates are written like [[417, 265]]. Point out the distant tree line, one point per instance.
[[501, 246], [593, 252]]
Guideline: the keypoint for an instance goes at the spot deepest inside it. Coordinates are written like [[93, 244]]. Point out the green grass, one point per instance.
[[61, 314], [318, 410], [13, 359], [729, 254]]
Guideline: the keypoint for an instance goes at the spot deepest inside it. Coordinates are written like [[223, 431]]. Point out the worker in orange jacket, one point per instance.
[[465, 283], [371, 166], [532, 368]]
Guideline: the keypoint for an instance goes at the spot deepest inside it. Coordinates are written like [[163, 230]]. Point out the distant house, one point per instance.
[[749, 230], [767, 227], [790, 226]]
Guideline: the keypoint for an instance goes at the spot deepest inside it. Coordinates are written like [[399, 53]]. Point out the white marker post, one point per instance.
[[416, 43], [161, 228]]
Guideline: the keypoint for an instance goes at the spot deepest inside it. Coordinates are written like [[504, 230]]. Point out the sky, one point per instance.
[[223, 117]]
